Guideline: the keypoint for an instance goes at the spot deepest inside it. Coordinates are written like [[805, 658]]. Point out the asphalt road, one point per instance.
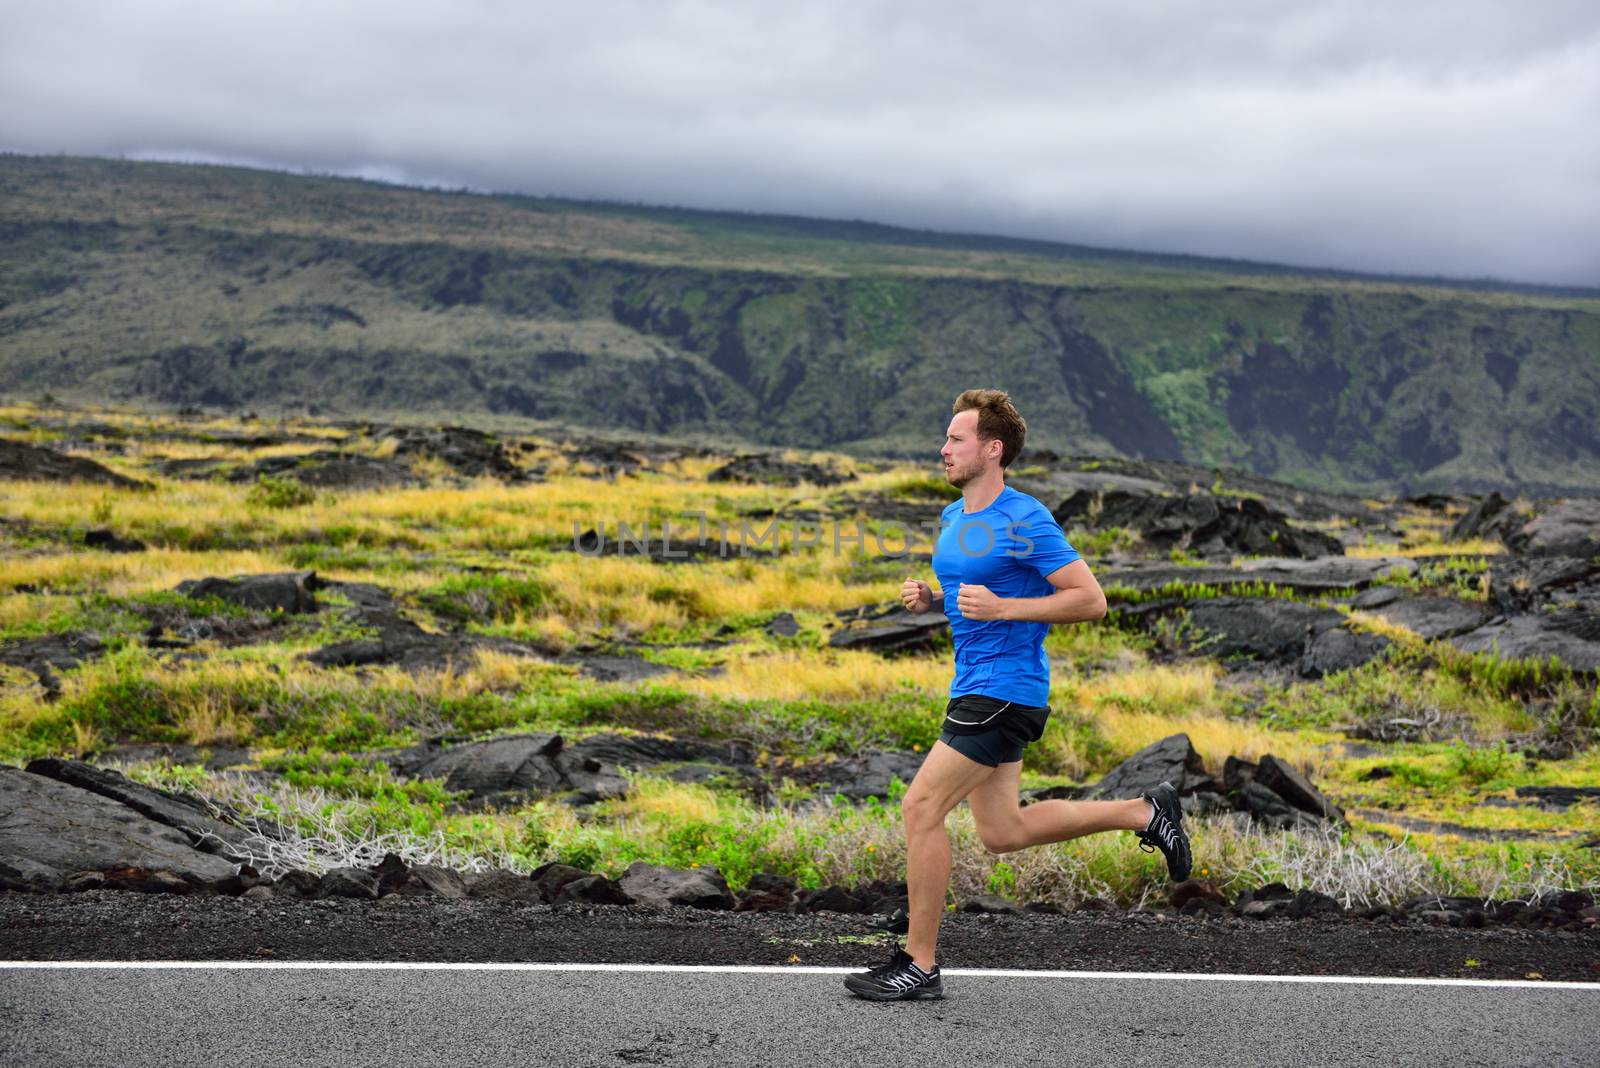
[[117, 925], [281, 1013]]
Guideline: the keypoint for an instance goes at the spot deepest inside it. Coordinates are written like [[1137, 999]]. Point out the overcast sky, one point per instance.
[[1453, 137]]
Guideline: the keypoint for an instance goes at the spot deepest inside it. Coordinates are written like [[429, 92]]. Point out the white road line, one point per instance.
[[768, 969]]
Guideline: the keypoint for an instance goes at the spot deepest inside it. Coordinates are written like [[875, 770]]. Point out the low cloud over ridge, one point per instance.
[[1437, 138]]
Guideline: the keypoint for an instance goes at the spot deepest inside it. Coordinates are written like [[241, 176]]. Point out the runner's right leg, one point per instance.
[[1005, 826]]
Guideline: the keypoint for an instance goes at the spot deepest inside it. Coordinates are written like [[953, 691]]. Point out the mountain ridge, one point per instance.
[[184, 284]]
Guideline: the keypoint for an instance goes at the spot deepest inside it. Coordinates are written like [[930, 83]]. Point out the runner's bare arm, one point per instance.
[[1078, 599]]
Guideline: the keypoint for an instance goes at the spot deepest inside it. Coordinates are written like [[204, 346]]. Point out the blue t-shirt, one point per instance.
[[1009, 547]]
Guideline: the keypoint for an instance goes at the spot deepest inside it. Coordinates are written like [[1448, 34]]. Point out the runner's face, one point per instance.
[[964, 454]]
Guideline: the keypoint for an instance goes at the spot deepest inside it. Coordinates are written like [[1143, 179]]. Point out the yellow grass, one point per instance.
[[85, 739], [431, 468], [483, 517], [20, 609], [1094, 642], [478, 672], [15, 678], [146, 449], [634, 594], [1172, 691], [1214, 738], [899, 476], [1443, 548], [200, 506], [122, 574], [486, 518], [548, 631], [693, 468], [1372, 623], [1134, 708], [595, 592], [1059, 752], [214, 700], [828, 675], [660, 801], [699, 468], [749, 586], [211, 717], [496, 671]]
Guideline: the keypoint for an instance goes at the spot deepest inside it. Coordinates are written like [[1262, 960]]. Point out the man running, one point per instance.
[[1007, 572]]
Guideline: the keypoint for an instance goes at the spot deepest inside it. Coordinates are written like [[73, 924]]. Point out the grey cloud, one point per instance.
[[1444, 138]]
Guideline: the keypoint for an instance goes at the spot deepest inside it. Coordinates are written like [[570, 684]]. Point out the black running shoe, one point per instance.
[[897, 979], [1166, 831]]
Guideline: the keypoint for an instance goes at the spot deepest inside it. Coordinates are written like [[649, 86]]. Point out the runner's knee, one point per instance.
[[921, 811], [1004, 839]]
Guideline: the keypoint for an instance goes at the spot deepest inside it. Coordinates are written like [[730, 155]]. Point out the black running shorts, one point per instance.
[[991, 731], [990, 747]]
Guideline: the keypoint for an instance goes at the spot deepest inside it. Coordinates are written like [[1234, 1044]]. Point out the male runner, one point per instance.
[[1007, 572]]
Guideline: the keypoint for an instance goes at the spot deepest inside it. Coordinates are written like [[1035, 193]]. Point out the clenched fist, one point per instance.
[[916, 595], [977, 602]]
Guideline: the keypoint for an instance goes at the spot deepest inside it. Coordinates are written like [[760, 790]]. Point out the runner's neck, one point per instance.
[[969, 499]]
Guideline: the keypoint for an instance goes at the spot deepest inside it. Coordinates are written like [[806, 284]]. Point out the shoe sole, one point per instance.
[[915, 995], [864, 985], [1167, 790]]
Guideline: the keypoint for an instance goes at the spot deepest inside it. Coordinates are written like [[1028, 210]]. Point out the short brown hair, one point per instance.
[[998, 419]]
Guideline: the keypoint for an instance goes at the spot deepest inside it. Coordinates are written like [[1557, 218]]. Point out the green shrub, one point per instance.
[[1002, 879], [123, 704], [482, 598], [687, 598], [273, 492], [1481, 765], [1569, 721]]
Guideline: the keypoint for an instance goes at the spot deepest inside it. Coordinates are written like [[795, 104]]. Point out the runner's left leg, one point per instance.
[[945, 777]]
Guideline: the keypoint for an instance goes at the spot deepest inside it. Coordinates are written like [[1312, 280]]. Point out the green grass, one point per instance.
[[1195, 591], [1472, 694], [1460, 576], [116, 620], [414, 806], [1096, 543]]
